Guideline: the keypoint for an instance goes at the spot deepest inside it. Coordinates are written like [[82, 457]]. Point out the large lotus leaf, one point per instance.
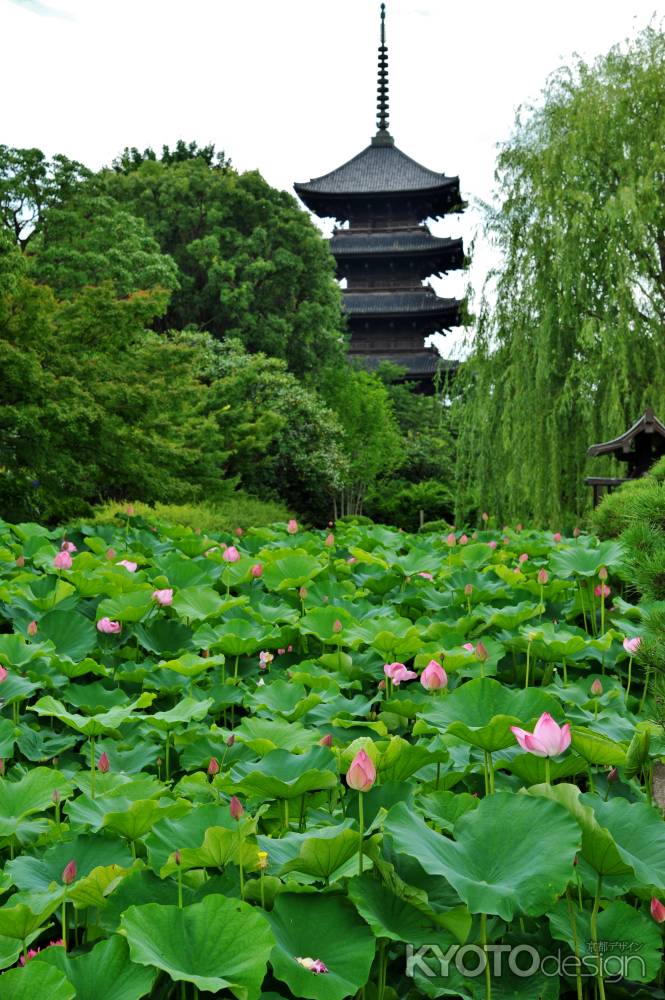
[[71, 633], [34, 981], [284, 775], [618, 924], [399, 760], [324, 852], [220, 847], [237, 637], [169, 835], [94, 725], [187, 710], [25, 912], [216, 944], [292, 571], [93, 889], [482, 711], [72, 669], [16, 652], [548, 642], [596, 748], [282, 698], [264, 735], [131, 607], [417, 561], [94, 697], [138, 887], [582, 561], [531, 769], [32, 793], [191, 665], [105, 973], [377, 558], [491, 871], [323, 927], [638, 832], [88, 852], [164, 636], [272, 609], [197, 603], [508, 618], [445, 808], [322, 622], [186, 572], [391, 916]]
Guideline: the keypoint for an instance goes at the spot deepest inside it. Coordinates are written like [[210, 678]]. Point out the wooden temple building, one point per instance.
[[639, 447], [382, 245]]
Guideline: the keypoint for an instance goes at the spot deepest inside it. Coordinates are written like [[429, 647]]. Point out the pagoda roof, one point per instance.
[[418, 364], [380, 168], [648, 423], [348, 243], [418, 302]]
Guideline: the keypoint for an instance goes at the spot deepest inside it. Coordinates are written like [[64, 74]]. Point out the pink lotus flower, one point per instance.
[[556, 537], [213, 766], [69, 873], [129, 566], [451, 539], [236, 807], [108, 627], [492, 544], [602, 590], [104, 763], [329, 540], [397, 673], [596, 688], [463, 539], [63, 560], [314, 965], [469, 646], [657, 911], [426, 576], [68, 547], [35, 951], [352, 559], [292, 526], [4, 674], [434, 677], [362, 773], [632, 645], [32, 628], [163, 597], [231, 554], [265, 659], [256, 571], [326, 741], [548, 738]]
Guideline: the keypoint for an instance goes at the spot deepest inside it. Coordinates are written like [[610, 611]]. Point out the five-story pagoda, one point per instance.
[[387, 250]]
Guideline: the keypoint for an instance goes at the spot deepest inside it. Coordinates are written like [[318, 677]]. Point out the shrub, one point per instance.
[[432, 527]]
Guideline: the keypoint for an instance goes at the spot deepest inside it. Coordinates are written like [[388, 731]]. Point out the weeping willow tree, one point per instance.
[[569, 345]]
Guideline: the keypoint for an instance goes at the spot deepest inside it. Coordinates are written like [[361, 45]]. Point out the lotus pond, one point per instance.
[[324, 764]]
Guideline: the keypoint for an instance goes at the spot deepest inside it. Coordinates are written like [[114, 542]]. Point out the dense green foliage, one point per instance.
[[568, 347], [214, 777]]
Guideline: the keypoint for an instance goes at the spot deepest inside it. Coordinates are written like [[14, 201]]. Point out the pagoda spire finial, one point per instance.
[[383, 136]]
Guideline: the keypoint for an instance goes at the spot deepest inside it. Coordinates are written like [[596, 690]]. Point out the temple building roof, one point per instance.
[[418, 302], [418, 364], [348, 243]]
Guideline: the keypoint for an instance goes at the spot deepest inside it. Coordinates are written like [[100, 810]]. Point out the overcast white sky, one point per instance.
[[289, 87]]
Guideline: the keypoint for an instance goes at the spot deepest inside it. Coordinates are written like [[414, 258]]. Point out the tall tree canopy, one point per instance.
[[570, 342]]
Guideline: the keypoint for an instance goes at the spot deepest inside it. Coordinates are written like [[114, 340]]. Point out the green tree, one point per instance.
[[568, 346], [252, 265]]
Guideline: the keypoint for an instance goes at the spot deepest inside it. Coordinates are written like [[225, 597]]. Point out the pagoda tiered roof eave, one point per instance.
[[378, 170], [422, 364], [348, 243], [416, 303]]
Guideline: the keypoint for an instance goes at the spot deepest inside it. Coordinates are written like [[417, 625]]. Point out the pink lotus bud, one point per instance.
[[163, 597], [548, 739], [433, 676], [63, 560], [20, 561], [235, 807], [4, 674], [103, 763], [256, 571], [231, 554], [55, 796], [280, 652], [602, 590], [108, 627], [129, 566], [177, 857], [337, 625], [523, 558], [382, 685], [518, 528], [362, 773], [32, 628], [485, 516], [481, 652], [632, 645], [302, 593], [352, 559], [130, 510], [556, 537], [239, 532], [451, 539], [69, 873], [463, 539], [596, 688], [602, 573], [613, 774], [576, 532], [426, 576], [468, 589], [326, 741], [543, 577], [657, 911], [110, 554], [492, 544], [292, 526], [289, 649], [329, 540], [230, 739], [213, 766], [469, 646]]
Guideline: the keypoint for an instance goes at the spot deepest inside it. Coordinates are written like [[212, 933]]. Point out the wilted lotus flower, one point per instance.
[[362, 773], [256, 570], [556, 537], [213, 766], [108, 627], [543, 577], [451, 539], [231, 554], [657, 911], [103, 763], [129, 565], [68, 547], [63, 560], [265, 659], [326, 741], [314, 965], [632, 645], [20, 561], [235, 807], [602, 590], [433, 677], [163, 597], [337, 625], [292, 526], [463, 539], [596, 688], [69, 874], [329, 540], [548, 738], [32, 628]]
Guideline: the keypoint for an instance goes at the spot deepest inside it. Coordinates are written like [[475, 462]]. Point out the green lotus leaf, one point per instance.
[[88, 852], [236, 637], [399, 760], [187, 710], [582, 561], [324, 853], [264, 735], [94, 697], [36, 980], [93, 889], [94, 725], [191, 665], [164, 636], [196, 603], [216, 944], [321, 622], [284, 775], [16, 652], [71, 633], [531, 769], [131, 607], [596, 748], [292, 571], [445, 807], [30, 794], [220, 847], [105, 973], [187, 831], [25, 912], [391, 916], [492, 872]]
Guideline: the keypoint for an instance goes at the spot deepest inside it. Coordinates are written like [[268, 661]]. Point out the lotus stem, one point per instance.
[[180, 887], [64, 918], [547, 771], [630, 675], [92, 767], [576, 948], [579, 584], [644, 692], [528, 657], [594, 938], [361, 823], [483, 941]]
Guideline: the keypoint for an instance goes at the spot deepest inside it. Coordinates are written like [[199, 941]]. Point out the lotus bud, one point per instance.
[[337, 625], [556, 537], [433, 677], [177, 857], [576, 532], [2, 765], [20, 561], [492, 544], [205, 653], [657, 911], [518, 528], [485, 516], [523, 558], [326, 741], [110, 554], [543, 577], [239, 532], [469, 647], [163, 597], [32, 628], [451, 539], [613, 774], [69, 873], [468, 589], [256, 571], [235, 807], [481, 652], [55, 796], [103, 763], [230, 739], [362, 773], [213, 766], [463, 539], [231, 554], [130, 510], [302, 593], [292, 526], [329, 540], [596, 688]]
